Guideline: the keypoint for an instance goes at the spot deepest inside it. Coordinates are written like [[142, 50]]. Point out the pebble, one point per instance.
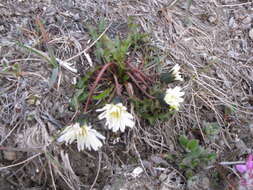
[[1, 28], [232, 23], [251, 33], [205, 183], [247, 20], [251, 129], [9, 155], [163, 177], [212, 19], [77, 17]]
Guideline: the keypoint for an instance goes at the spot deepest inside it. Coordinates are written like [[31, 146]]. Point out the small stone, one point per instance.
[[163, 177], [247, 20], [251, 129], [212, 19], [251, 33], [205, 183], [1, 28], [232, 23], [221, 143], [76, 17], [137, 171], [31, 101], [10, 155], [107, 187]]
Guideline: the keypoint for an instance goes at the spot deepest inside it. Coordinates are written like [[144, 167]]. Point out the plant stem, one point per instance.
[[139, 86], [100, 74], [117, 85]]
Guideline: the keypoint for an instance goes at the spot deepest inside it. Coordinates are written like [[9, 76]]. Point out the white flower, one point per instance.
[[117, 118], [176, 73], [173, 97], [84, 135]]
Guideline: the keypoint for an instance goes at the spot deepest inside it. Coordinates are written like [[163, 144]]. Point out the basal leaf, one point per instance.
[[79, 97], [167, 78], [104, 94], [53, 77], [192, 144], [183, 141]]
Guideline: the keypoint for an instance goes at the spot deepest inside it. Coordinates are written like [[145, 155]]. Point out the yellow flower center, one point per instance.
[[171, 98], [116, 114], [83, 131]]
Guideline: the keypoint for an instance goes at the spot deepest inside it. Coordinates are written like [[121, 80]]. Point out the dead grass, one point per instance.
[[210, 42]]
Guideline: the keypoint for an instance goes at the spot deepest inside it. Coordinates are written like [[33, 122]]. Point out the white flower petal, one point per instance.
[[117, 117], [84, 135], [176, 73], [173, 97]]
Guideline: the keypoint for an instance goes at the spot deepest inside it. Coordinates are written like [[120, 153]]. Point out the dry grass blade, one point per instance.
[[99, 167], [52, 176], [90, 46], [232, 5], [65, 170], [5, 137], [64, 64], [17, 164]]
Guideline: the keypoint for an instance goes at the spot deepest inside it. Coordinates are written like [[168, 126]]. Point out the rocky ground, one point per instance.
[[211, 41]]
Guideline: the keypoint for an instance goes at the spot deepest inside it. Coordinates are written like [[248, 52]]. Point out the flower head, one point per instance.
[[247, 172], [173, 97], [176, 73], [117, 117], [242, 168], [84, 135]]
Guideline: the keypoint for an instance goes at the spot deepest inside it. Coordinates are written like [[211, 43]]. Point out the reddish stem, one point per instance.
[[140, 78], [135, 69], [100, 74], [117, 85], [139, 86]]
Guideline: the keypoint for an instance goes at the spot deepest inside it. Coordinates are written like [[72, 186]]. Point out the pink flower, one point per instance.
[[242, 168], [247, 172]]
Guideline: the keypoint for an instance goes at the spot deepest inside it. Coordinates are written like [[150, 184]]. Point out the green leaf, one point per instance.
[[53, 77], [212, 128], [83, 96], [38, 52], [189, 173], [83, 82], [79, 96], [195, 163], [166, 78], [101, 26], [103, 94], [170, 157], [183, 141], [53, 60], [192, 144], [211, 156]]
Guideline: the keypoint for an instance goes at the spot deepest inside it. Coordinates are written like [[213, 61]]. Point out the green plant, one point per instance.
[[115, 69], [212, 130], [50, 59], [116, 50], [118, 74], [14, 69], [152, 110], [81, 92], [194, 156]]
